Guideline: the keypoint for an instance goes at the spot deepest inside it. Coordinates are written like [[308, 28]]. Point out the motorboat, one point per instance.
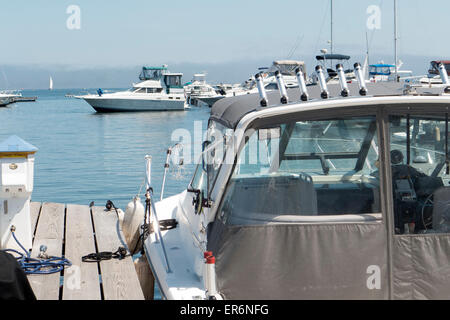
[[327, 61], [199, 90], [7, 97], [386, 72], [433, 76], [158, 90], [306, 193]]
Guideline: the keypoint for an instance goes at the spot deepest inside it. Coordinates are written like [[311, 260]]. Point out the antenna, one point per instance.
[[331, 26], [395, 40]]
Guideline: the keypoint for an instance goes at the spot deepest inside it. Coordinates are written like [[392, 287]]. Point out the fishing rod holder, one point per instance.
[[261, 90], [322, 82], [301, 84], [342, 80], [360, 78], [444, 77], [281, 87]]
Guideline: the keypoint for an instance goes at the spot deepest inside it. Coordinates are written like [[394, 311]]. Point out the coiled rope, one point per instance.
[[31, 265]]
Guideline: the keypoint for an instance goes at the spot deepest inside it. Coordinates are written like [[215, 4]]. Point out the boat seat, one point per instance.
[[272, 197], [348, 198]]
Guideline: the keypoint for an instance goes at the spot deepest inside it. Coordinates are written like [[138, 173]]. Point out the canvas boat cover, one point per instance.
[[229, 111]]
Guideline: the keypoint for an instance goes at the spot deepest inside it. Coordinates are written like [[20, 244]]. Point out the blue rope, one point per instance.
[[35, 265]]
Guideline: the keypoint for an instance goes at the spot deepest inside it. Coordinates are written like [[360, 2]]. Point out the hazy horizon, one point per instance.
[[30, 77]]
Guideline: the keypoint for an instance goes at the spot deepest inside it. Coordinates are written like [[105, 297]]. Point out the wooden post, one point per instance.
[[145, 277], [131, 229]]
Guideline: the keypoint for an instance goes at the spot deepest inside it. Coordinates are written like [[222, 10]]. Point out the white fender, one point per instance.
[[133, 218]]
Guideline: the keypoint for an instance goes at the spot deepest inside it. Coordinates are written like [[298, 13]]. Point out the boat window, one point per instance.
[[198, 181], [172, 80], [154, 90], [420, 173], [141, 90], [306, 169], [217, 138], [271, 86]]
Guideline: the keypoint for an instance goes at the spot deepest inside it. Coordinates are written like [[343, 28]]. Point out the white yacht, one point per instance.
[[306, 193], [198, 89], [159, 90]]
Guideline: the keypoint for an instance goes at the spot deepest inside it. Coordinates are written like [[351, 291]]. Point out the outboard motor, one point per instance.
[[301, 84], [361, 80], [281, 87], [323, 84]]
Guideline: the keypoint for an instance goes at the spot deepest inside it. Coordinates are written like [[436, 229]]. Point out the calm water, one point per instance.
[[85, 156]]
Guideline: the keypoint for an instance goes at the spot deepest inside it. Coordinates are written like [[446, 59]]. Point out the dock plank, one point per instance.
[[49, 232], [81, 280], [35, 209], [119, 278]]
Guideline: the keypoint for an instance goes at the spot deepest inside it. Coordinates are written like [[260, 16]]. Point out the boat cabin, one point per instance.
[[341, 198]]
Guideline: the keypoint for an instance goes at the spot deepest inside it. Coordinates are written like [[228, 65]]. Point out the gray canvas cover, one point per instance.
[[229, 111], [421, 266], [295, 261]]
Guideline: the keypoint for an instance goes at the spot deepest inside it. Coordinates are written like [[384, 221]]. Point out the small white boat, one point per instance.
[[50, 85], [198, 89], [386, 72], [159, 90], [433, 76]]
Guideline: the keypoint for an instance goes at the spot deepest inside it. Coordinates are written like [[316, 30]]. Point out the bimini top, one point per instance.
[[229, 111], [333, 56], [152, 73], [382, 65]]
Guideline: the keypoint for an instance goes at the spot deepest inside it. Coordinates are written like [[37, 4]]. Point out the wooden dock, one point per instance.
[[75, 231], [23, 99]]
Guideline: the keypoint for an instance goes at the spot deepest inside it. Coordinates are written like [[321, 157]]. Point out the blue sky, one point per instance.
[[122, 33]]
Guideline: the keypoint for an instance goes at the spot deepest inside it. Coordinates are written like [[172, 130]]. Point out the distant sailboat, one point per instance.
[[50, 87]]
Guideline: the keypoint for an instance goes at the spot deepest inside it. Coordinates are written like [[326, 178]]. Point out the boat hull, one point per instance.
[[129, 105], [210, 100], [5, 101]]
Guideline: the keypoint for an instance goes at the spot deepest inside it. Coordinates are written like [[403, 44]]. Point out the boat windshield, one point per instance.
[[306, 168], [151, 74]]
